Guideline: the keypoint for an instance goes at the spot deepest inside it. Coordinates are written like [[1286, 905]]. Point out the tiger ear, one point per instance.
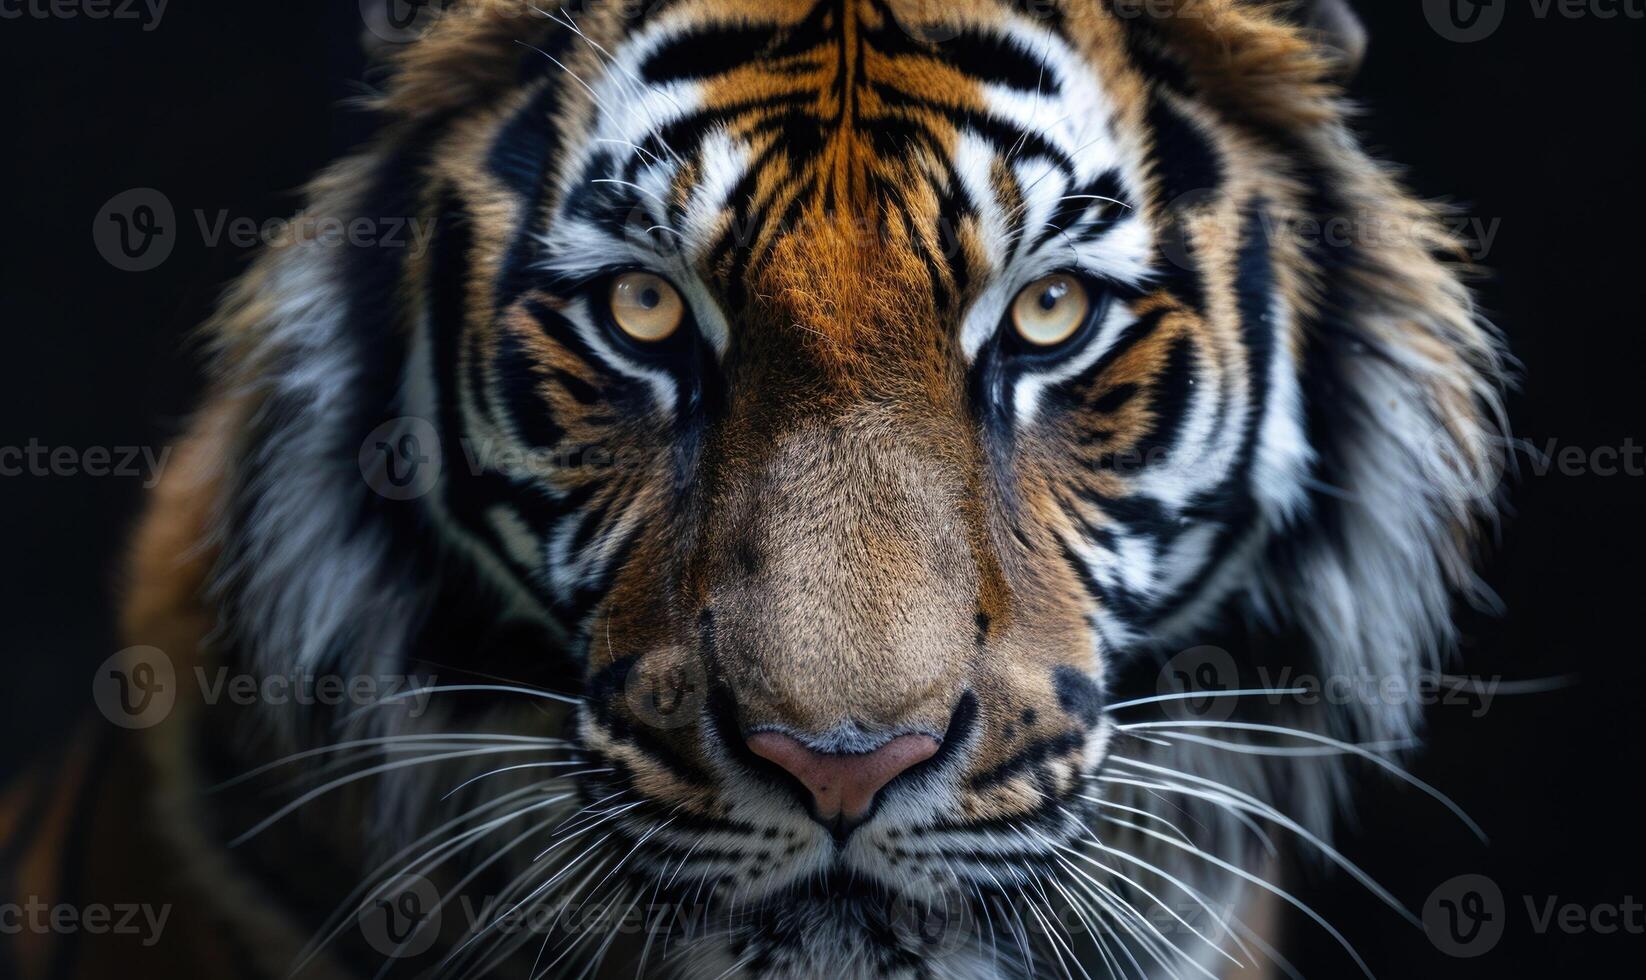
[[1338, 30]]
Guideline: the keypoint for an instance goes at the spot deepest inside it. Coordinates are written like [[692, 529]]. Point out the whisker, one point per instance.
[[1229, 796], [1187, 889], [338, 920], [1267, 886], [1119, 909], [386, 740], [528, 765], [1169, 910], [1348, 747], [458, 887], [514, 886], [1100, 801], [1194, 695], [313, 794], [1280, 751], [1245, 821], [455, 688]]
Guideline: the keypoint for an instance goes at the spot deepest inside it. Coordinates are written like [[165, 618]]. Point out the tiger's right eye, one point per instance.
[[646, 307], [1049, 311]]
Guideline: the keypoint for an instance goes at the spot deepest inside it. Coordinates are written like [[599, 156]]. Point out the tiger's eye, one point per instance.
[[1049, 311], [646, 307]]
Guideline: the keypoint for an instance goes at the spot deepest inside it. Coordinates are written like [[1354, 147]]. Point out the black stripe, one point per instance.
[[1081, 201], [518, 386], [1185, 159], [707, 51], [1027, 760], [1230, 503], [990, 57], [446, 293], [520, 158], [605, 689], [1071, 394], [1169, 396]]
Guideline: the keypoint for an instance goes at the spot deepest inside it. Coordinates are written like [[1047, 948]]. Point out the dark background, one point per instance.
[[230, 106]]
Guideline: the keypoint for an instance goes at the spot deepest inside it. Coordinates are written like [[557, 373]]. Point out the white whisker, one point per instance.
[[1267, 886], [1347, 747], [1194, 695]]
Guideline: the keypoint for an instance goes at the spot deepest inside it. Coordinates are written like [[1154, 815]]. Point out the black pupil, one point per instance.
[[650, 297], [1053, 295]]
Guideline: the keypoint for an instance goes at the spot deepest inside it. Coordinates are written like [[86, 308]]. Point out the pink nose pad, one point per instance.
[[844, 785]]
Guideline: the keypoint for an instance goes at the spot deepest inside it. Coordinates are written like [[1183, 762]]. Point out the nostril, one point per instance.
[[843, 786]]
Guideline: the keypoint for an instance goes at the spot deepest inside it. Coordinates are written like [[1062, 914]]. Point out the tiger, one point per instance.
[[789, 482]]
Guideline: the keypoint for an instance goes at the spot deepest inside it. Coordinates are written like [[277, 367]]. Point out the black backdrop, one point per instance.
[[1535, 130]]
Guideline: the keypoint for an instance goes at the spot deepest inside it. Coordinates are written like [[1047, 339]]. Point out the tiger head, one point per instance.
[[835, 402]]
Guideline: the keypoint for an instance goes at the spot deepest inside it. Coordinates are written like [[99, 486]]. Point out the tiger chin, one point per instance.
[[808, 431]]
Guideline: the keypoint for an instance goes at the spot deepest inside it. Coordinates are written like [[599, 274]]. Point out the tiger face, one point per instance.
[[916, 435], [837, 397]]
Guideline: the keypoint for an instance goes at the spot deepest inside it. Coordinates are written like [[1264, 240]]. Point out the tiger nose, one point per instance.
[[843, 785]]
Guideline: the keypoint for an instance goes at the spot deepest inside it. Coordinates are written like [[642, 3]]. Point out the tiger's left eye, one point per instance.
[[646, 307], [1048, 311]]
